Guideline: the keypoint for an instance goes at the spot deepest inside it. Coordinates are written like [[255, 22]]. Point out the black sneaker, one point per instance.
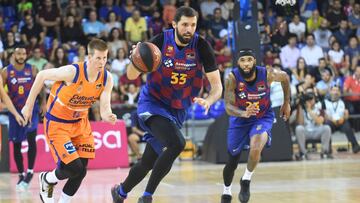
[[226, 198], [145, 199], [115, 195], [28, 177], [21, 178], [244, 194], [356, 149]]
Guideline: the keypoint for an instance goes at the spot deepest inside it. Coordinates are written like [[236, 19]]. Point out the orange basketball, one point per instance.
[[146, 57]]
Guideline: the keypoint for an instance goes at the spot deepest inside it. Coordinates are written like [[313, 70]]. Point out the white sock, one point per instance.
[[247, 175], [30, 170], [51, 177], [227, 190], [64, 198]]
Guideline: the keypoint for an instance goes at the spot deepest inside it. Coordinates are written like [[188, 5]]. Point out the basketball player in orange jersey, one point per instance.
[[66, 123]]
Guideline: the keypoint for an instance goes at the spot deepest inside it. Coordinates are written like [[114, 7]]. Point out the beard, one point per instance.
[[181, 37], [248, 75], [19, 61]]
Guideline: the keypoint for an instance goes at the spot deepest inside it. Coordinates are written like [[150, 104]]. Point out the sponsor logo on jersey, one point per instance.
[[69, 147]]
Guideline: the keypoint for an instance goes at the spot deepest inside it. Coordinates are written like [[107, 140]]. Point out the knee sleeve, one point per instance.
[[71, 170]]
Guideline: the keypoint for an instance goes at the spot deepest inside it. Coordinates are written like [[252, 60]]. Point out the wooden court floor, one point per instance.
[[315, 181]]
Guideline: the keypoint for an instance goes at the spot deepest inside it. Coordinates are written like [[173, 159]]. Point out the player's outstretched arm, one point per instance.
[[5, 97], [64, 73], [215, 92], [230, 99], [281, 76], [105, 102]]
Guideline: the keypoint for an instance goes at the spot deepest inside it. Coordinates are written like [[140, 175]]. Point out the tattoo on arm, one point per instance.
[[231, 109]]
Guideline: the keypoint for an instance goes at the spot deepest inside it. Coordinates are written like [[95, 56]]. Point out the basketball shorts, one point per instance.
[[239, 135], [69, 140]]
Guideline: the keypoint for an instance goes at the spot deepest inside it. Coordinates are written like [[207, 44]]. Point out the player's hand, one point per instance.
[[111, 118], [285, 111], [202, 102], [133, 47], [251, 110], [26, 111], [20, 120]]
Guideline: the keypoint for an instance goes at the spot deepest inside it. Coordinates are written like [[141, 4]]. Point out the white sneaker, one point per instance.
[[46, 189], [21, 187]]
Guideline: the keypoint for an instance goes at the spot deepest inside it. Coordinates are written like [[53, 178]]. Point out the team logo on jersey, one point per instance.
[[98, 86], [242, 95], [190, 55], [13, 81], [169, 51], [69, 147], [258, 127], [27, 72], [12, 73], [168, 63], [261, 87], [241, 86]]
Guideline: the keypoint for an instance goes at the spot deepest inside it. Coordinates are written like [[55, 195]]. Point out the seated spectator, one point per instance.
[[297, 27], [310, 120], [116, 41], [135, 28], [290, 53], [322, 66], [324, 85], [337, 59], [299, 73], [352, 53], [24, 7], [147, 7], [31, 29], [72, 34], [314, 21], [74, 10], [335, 15], [9, 45], [111, 22], [311, 52], [156, 24], [352, 92], [93, 27], [59, 57], [307, 7], [119, 64], [132, 96], [343, 34], [322, 35], [127, 9], [135, 135], [38, 60], [354, 18], [227, 9], [49, 18], [215, 24], [107, 8], [337, 117], [169, 11], [81, 55], [124, 83], [207, 8]]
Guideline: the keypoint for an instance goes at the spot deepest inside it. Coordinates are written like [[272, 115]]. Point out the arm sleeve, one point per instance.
[[207, 55], [158, 40]]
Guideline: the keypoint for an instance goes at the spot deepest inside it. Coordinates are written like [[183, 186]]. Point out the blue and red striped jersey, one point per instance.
[[180, 77]]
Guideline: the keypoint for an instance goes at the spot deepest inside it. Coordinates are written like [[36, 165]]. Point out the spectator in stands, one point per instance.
[[147, 7], [354, 18], [169, 11], [81, 55], [335, 15], [31, 29], [132, 96], [337, 117], [119, 64], [290, 53], [207, 8], [322, 35], [352, 53], [310, 120], [324, 85], [124, 83], [116, 41], [336, 58], [322, 66], [307, 7], [227, 9], [108, 7], [215, 24], [24, 7], [38, 60], [297, 27], [314, 21], [89, 6], [135, 28], [136, 135], [75, 10], [352, 91], [111, 22], [300, 71], [49, 18], [156, 24], [9, 44], [59, 58], [311, 52], [127, 9], [93, 27], [343, 34], [72, 34], [280, 37]]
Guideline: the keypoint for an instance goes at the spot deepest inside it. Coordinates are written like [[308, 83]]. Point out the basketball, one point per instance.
[[146, 57]]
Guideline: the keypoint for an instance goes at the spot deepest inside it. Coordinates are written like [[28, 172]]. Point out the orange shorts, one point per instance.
[[69, 141]]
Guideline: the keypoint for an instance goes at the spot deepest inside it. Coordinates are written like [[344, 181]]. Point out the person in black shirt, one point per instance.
[[31, 29]]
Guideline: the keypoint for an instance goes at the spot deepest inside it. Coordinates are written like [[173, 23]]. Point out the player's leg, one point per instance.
[[168, 134], [257, 143], [19, 163], [228, 175], [136, 175], [74, 181], [31, 138], [133, 140]]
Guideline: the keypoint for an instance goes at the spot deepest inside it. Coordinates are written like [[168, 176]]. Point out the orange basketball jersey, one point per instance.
[[72, 102]]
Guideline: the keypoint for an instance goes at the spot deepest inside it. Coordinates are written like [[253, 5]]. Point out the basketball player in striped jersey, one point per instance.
[[66, 124], [247, 99], [163, 102]]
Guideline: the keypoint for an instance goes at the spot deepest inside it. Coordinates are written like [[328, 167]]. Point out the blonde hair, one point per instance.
[[96, 44]]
